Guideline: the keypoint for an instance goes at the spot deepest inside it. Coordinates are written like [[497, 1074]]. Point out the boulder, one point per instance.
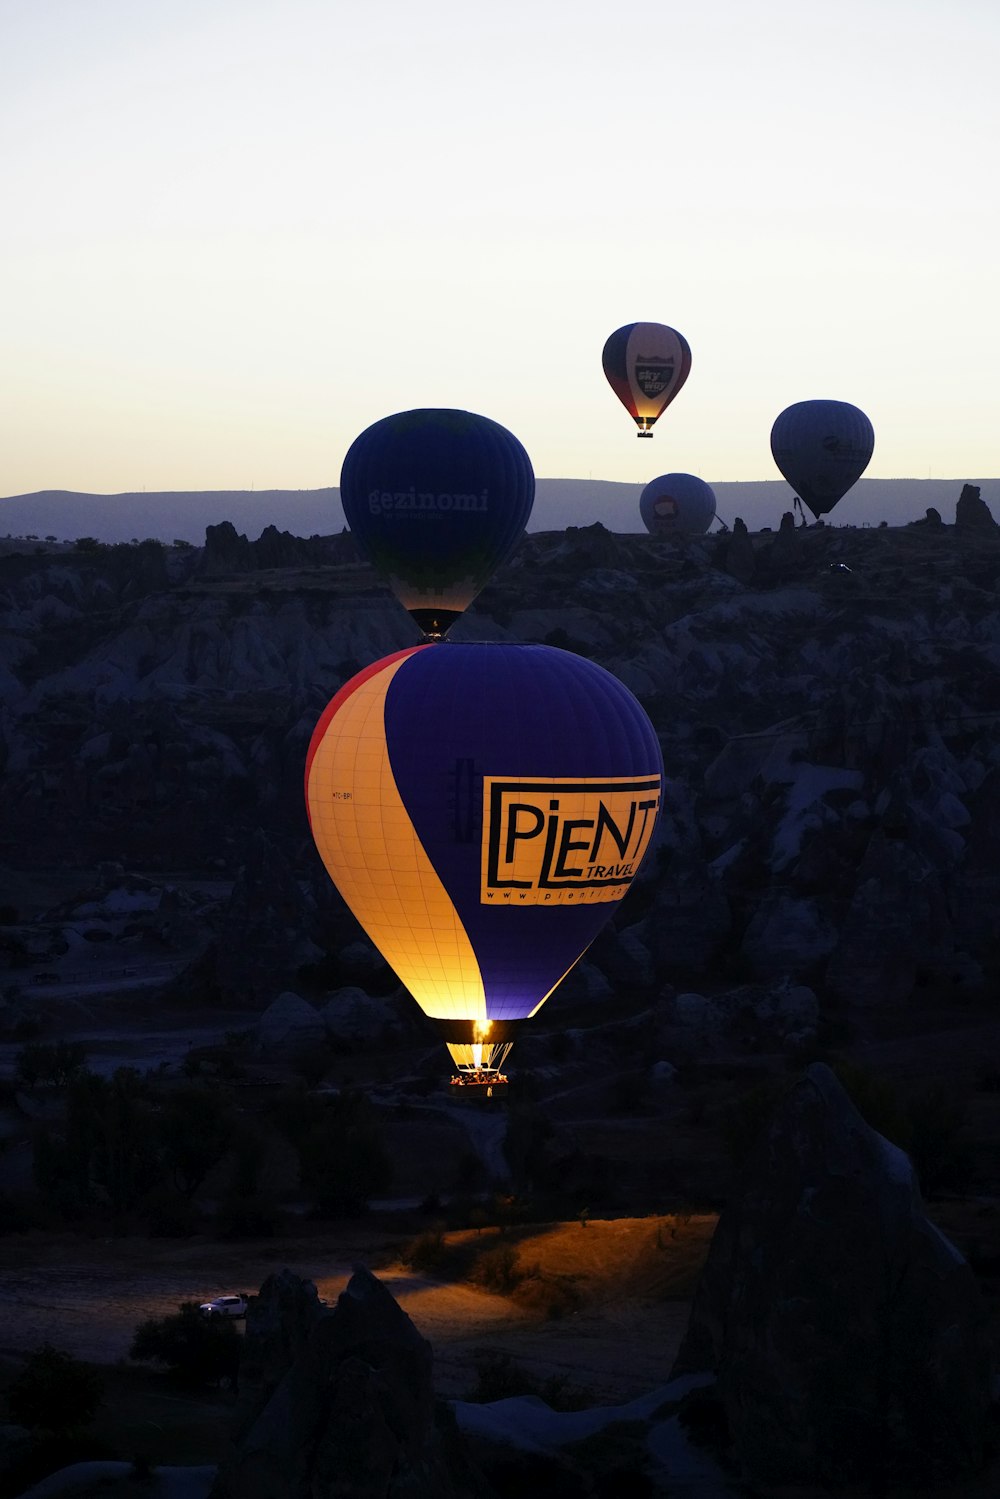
[[689, 922], [897, 924], [845, 1333], [280, 1321], [274, 548], [15, 1445], [289, 1024], [341, 1404], [226, 550], [585, 984], [354, 1018], [785, 554], [745, 1021], [261, 925], [787, 936], [972, 512], [739, 561]]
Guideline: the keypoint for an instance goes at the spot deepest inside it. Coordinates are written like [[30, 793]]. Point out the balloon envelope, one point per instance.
[[438, 500], [822, 448], [482, 809], [677, 505], [646, 364]]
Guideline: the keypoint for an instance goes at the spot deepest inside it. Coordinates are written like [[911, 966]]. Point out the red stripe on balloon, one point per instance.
[[338, 701]]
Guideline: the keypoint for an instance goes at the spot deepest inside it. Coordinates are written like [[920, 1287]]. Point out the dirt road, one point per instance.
[[88, 1297]]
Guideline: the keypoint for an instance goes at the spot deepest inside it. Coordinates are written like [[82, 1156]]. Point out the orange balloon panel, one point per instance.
[[367, 841]]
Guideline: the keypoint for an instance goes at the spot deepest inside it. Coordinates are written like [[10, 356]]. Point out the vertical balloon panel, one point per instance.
[[508, 794], [367, 840]]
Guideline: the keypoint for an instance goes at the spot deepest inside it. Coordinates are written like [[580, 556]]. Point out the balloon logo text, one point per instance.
[[382, 501], [564, 841]]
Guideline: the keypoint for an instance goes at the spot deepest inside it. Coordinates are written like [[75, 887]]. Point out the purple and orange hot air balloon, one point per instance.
[[482, 809], [646, 364]]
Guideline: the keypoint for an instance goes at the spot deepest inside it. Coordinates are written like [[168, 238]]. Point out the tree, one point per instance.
[[195, 1127], [87, 544], [105, 1153], [54, 1391], [192, 1346], [56, 1061], [342, 1156], [30, 1064]]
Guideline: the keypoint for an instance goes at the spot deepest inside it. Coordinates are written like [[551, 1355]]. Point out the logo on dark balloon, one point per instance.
[[564, 842], [421, 502], [665, 508], [843, 449], [653, 375]]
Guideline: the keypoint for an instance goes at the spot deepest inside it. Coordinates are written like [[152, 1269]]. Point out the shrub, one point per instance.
[[254, 1216], [55, 1392], [169, 1214], [552, 1296], [427, 1253], [195, 1348], [498, 1377], [941, 1157], [497, 1269]]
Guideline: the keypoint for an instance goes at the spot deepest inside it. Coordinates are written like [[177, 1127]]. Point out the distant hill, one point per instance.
[[183, 515]]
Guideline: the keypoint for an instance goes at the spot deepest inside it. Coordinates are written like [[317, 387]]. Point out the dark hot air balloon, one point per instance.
[[646, 365], [437, 500], [822, 448], [677, 505], [482, 809]]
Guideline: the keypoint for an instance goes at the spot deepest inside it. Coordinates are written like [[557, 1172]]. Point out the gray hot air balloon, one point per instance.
[[822, 448], [677, 505]]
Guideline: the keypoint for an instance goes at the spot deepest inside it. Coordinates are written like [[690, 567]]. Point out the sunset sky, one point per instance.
[[237, 232]]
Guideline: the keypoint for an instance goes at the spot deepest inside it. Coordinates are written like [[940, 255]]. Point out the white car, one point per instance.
[[226, 1306]]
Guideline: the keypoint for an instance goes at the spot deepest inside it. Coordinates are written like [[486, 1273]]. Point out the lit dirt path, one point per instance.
[[89, 1300]]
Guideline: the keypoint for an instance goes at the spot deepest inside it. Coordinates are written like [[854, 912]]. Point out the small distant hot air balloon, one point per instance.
[[677, 505], [438, 500], [482, 809], [646, 365], [822, 448]]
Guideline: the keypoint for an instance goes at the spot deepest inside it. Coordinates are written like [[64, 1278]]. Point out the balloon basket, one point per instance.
[[477, 1087]]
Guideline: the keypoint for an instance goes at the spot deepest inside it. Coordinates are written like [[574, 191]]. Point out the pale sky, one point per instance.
[[237, 232]]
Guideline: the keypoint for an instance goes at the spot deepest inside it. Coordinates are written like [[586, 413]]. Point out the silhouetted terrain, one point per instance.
[[167, 516], [823, 889], [826, 701]]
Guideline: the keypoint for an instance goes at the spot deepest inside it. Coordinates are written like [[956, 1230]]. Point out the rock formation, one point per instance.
[[972, 512], [263, 921], [338, 1403], [845, 1333], [740, 561], [288, 1026]]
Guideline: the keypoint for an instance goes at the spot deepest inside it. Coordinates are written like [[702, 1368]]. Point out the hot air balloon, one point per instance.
[[482, 809], [646, 365], [438, 500], [822, 448], [677, 505]]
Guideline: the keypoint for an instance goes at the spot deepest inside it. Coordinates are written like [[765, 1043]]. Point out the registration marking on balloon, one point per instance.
[[563, 842]]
